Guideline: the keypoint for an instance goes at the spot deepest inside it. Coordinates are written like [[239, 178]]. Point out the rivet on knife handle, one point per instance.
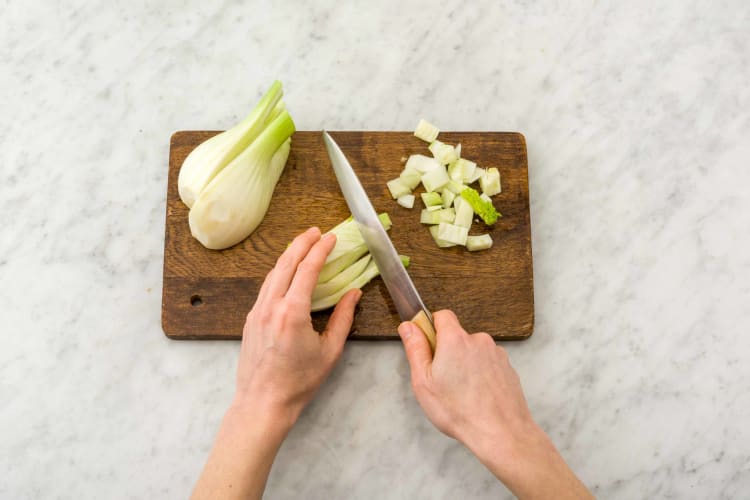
[[424, 324]]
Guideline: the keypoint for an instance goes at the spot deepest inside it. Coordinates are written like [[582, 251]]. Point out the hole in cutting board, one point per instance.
[[196, 300]]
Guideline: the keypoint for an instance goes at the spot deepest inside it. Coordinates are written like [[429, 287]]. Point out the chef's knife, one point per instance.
[[403, 292]]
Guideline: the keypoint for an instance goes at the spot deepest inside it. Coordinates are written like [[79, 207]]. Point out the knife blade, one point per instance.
[[406, 298]]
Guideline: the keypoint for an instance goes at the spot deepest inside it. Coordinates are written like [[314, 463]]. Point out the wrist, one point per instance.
[[267, 419], [528, 463], [510, 453]]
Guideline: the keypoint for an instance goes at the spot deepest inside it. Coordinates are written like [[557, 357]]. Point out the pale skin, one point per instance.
[[283, 361]]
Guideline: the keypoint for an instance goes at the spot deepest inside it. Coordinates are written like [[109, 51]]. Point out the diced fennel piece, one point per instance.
[[440, 243], [431, 199], [457, 203], [427, 216], [349, 247], [475, 243], [454, 171], [484, 209], [490, 182], [370, 272], [410, 177], [341, 279], [443, 153], [422, 163], [213, 155], [448, 197], [454, 187], [426, 131], [434, 208], [236, 200], [458, 150], [467, 168], [485, 198], [462, 170], [437, 216], [464, 213], [450, 233], [478, 173], [435, 179], [397, 188], [384, 219], [406, 201]]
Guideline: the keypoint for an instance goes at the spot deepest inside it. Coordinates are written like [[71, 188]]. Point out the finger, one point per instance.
[[340, 323], [446, 319], [308, 270], [447, 326], [417, 349], [278, 280]]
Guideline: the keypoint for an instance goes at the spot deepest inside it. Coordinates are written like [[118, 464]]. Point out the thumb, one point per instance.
[[417, 348], [340, 323]]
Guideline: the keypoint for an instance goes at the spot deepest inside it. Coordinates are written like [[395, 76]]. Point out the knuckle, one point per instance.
[[250, 317], [306, 266], [284, 309], [485, 338], [265, 315], [284, 262], [442, 314], [448, 314], [444, 337], [417, 384], [502, 353], [298, 239], [446, 319], [295, 303]]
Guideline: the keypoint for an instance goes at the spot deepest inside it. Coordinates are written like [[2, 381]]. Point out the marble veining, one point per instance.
[[637, 120]]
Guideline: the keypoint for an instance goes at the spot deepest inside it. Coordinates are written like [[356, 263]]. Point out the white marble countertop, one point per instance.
[[637, 119]]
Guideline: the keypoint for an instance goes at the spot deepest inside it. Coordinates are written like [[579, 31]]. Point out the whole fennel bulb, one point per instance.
[[236, 199], [210, 157], [228, 180]]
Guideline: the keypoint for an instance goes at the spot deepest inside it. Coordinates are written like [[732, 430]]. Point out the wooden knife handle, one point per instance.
[[424, 324]]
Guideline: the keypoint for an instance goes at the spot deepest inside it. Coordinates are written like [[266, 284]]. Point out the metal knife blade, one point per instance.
[[403, 292]]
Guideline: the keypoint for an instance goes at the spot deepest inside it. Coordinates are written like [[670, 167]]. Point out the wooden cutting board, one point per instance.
[[207, 293]]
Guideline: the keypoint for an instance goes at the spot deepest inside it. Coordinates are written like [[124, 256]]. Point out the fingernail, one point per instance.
[[313, 229], [329, 236], [359, 295]]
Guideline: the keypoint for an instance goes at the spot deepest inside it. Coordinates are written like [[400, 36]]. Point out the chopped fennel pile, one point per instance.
[[348, 266], [450, 203], [228, 180]]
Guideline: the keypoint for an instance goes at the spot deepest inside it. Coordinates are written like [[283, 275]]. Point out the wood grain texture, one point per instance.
[[207, 293]]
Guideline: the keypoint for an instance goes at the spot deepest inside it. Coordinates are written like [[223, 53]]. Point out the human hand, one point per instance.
[[283, 360], [471, 393], [469, 388]]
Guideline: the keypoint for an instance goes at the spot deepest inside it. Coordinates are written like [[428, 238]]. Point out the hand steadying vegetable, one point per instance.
[[471, 393], [283, 361], [469, 390]]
